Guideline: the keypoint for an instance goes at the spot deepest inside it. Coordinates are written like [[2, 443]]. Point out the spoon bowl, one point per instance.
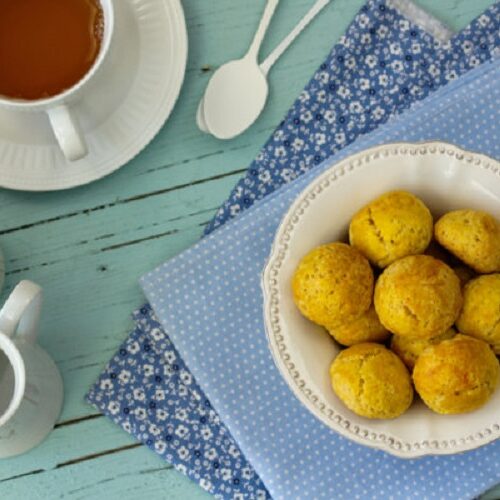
[[235, 97]]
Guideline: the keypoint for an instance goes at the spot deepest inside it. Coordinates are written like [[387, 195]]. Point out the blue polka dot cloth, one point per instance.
[[209, 302], [147, 387]]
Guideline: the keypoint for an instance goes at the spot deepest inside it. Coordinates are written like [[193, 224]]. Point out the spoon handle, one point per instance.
[[278, 51], [253, 52]]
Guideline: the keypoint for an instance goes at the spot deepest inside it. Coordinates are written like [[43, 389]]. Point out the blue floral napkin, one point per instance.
[[150, 393], [382, 65], [147, 389]]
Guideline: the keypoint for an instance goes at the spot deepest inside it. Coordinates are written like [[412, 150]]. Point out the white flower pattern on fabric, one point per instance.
[[392, 70], [170, 414]]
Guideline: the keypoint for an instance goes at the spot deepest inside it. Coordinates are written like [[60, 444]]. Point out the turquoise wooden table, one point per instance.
[[88, 246]]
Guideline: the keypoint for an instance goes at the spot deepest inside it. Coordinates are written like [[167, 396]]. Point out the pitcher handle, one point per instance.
[[20, 315]]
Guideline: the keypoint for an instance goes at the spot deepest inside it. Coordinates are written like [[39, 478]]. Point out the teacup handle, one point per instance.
[[20, 315], [67, 132]]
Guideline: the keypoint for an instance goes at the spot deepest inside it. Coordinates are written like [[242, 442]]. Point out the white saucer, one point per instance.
[[122, 112]]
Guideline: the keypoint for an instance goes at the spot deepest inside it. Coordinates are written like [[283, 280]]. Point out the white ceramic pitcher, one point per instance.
[[31, 388]]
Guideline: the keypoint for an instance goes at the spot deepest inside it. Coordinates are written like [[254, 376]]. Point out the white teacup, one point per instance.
[[58, 108], [31, 388]]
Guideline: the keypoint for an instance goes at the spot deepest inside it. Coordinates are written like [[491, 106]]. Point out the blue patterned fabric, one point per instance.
[[209, 301], [148, 390], [334, 109], [379, 68]]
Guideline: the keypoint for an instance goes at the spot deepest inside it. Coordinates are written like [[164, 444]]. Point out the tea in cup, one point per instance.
[[49, 51]]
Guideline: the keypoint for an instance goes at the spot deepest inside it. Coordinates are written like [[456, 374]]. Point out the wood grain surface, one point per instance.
[[88, 246]]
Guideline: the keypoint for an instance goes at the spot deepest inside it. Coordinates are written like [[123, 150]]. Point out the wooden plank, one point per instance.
[[65, 445], [493, 494], [130, 473], [104, 228]]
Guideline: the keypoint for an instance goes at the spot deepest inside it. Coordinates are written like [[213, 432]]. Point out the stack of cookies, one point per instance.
[[413, 313]]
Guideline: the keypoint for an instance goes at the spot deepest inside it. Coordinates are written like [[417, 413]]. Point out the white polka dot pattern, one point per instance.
[[209, 301]]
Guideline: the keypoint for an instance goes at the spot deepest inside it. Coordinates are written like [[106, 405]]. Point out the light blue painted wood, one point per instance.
[[88, 246], [131, 474]]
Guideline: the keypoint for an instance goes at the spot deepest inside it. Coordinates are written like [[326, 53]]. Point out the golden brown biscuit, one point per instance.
[[457, 375], [371, 381], [480, 316], [409, 349], [366, 328], [418, 296], [473, 236], [333, 284], [392, 226]]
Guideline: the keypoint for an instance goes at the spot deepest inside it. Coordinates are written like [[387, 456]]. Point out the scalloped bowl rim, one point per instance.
[[339, 418]]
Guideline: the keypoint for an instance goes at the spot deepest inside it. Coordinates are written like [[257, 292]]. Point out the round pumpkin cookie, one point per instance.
[[409, 349], [333, 284], [390, 227], [480, 316], [457, 375], [366, 328], [473, 236], [371, 381], [418, 296]]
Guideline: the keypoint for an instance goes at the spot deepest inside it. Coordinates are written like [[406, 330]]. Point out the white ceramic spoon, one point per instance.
[[237, 92], [238, 88]]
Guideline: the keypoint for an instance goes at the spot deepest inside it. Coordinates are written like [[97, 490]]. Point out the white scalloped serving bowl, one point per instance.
[[446, 178]]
